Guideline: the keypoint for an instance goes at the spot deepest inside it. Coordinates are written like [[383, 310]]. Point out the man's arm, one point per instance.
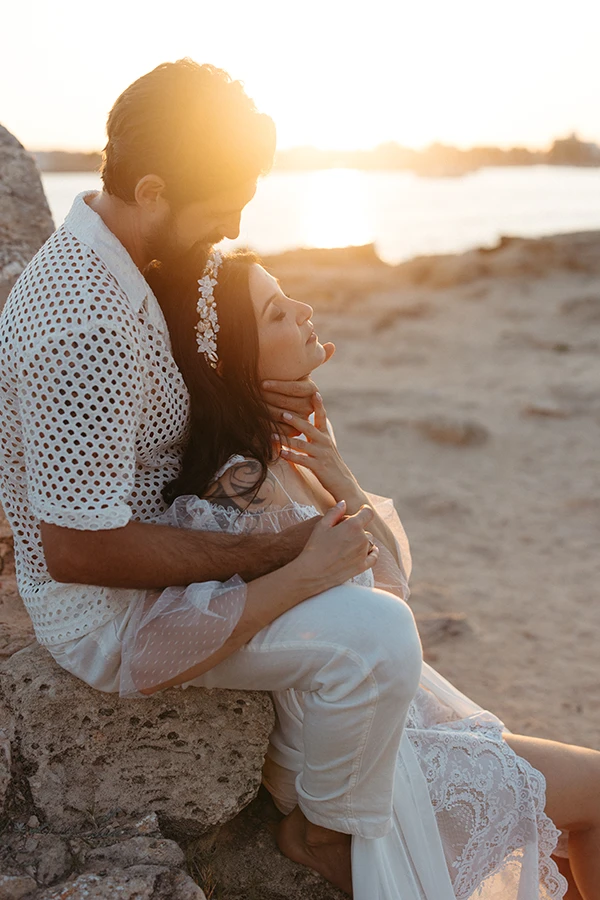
[[142, 555]]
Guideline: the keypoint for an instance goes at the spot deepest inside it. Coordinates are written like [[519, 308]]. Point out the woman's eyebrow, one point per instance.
[[270, 300]]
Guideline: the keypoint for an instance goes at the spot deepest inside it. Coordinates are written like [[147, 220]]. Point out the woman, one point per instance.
[[467, 798]]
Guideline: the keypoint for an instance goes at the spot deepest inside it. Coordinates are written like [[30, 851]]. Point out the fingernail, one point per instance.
[[341, 504], [275, 437], [267, 385], [287, 416], [319, 398]]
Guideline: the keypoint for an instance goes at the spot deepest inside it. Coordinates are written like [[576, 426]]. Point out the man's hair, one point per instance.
[[191, 125]]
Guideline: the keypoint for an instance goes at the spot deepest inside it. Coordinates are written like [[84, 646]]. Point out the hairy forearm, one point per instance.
[[143, 555]]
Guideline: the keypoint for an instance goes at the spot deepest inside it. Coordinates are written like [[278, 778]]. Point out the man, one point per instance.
[[94, 412]]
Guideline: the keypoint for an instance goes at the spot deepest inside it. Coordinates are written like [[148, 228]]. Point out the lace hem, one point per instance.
[[488, 802]]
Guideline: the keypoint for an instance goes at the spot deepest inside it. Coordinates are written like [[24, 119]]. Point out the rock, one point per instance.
[[46, 857], [25, 220], [135, 883], [14, 637], [133, 851], [194, 757], [443, 430], [14, 887], [52, 858], [242, 861], [6, 738]]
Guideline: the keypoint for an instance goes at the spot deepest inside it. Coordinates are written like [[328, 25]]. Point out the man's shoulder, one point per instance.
[[65, 284], [63, 258]]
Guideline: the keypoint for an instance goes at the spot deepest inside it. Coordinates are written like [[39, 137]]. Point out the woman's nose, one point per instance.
[[305, 311]]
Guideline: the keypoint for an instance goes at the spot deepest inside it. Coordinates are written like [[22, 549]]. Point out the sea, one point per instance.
[[401, 213]]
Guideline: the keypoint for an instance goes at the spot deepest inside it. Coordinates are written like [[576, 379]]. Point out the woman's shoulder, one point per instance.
[[240, 484]]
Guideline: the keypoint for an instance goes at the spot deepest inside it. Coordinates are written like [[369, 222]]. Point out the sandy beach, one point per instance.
[[467, 388]]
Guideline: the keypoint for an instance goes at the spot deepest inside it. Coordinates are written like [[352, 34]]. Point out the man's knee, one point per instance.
[[396, 640], [380, 628]]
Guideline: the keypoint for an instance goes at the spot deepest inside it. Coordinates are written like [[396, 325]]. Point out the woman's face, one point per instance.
[[288, 346]]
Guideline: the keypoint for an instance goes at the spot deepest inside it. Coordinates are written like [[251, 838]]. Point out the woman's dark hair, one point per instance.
[[228, 414], [191, 125]]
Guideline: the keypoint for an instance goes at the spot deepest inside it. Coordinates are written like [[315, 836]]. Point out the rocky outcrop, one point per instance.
[[25, 220], [192, 756], [147, 799], [124, 859], [241, 861]]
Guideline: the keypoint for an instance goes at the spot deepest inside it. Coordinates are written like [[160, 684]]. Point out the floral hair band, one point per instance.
[[208, 322]]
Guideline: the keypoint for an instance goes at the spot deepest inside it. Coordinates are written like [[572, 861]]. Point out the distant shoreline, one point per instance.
[[438, 160]]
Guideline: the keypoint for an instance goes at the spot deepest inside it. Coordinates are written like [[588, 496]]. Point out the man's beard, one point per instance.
[[165, 247]]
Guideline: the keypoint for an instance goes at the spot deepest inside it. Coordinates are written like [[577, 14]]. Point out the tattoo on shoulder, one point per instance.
[[238, 489]]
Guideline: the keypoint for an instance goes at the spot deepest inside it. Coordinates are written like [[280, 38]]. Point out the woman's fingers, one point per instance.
[[301, 425], [334, 515], [300, 445], [299, 459]]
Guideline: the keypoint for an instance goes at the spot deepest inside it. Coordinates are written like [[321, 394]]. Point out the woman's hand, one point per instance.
[[320, 454], [337, 550]]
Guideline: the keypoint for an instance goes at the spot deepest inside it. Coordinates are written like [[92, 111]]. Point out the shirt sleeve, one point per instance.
[[80, 397]]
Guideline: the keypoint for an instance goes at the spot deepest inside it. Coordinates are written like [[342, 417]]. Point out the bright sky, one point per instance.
[[332, 74]]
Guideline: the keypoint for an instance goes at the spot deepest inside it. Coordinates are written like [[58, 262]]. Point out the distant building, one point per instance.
[[570, 151]]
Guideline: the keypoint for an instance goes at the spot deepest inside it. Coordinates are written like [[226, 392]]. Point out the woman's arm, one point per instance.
[[320, 454], [337, 550]]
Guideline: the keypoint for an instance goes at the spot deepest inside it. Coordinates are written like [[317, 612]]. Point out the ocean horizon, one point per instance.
[[401, 213]]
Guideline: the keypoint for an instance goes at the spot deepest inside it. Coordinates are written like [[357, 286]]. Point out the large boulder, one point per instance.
[[241, 860], [192, 756], [134, 883], [25, 220]]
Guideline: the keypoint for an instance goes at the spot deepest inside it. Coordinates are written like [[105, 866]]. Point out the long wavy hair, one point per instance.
[[228, 413]]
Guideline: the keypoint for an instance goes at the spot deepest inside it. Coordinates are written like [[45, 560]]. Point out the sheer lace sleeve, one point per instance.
[[170, 632], [387, 574]]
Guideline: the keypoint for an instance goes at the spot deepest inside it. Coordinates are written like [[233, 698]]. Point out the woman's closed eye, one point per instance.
[[278, 314]]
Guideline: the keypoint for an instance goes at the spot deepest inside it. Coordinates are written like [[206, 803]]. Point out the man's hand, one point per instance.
[[296, 397]]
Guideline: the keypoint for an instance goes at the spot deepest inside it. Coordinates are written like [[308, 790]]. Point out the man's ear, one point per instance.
[[149, 193]]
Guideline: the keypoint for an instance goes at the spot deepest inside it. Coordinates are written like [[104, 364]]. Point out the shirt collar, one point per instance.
[[87, 226]]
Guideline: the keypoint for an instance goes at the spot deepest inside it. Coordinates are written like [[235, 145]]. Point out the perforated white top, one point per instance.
[[93, 411]]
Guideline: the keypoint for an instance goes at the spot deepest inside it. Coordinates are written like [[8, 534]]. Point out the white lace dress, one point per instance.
[[469, 817]]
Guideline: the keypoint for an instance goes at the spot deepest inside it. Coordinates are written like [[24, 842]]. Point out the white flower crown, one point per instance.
[[208, 323]]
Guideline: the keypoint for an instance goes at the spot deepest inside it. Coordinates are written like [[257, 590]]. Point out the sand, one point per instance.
[[468, 389]]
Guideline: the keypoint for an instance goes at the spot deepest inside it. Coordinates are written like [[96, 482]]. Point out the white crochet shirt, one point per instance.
[[93, 411]]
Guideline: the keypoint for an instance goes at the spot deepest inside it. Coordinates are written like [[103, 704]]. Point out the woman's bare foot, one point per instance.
[[326, 851]]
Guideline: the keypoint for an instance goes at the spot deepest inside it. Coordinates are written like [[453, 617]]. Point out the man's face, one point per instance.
[[204, 222]]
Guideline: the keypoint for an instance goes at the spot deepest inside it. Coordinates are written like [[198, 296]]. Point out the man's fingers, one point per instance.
[[320, 414], [329, 349], [305, 388]]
